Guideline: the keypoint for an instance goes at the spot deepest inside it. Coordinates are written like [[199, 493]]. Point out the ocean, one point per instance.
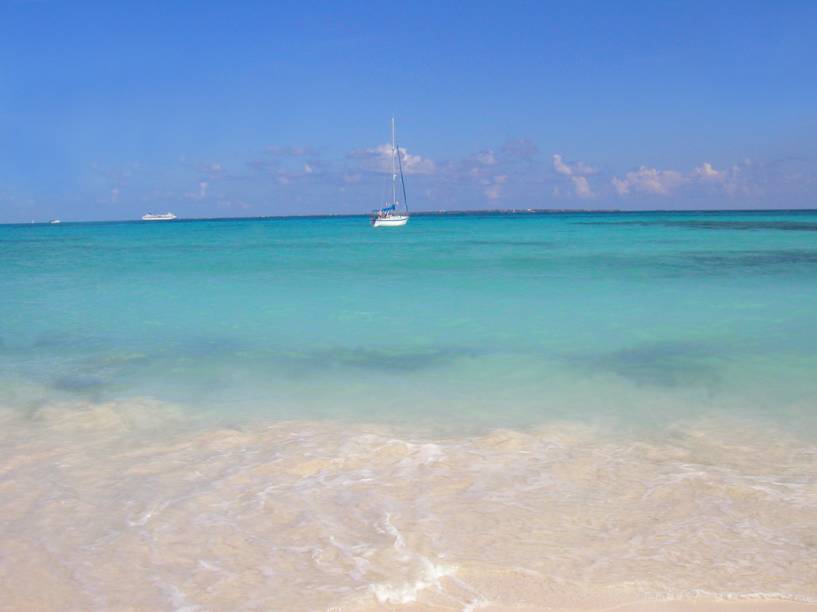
[[576, 410]]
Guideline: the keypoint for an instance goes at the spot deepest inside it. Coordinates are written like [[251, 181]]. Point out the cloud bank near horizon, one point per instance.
[[305, 179]]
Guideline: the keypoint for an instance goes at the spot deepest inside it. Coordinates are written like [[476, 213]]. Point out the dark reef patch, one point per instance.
[[786, 226], [665, 364]]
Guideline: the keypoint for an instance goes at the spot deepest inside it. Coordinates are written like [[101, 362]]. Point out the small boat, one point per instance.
[[391, 215], [162, 217], [55, 221]]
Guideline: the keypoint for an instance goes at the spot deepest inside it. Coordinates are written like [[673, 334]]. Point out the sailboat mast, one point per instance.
[[393, 169]]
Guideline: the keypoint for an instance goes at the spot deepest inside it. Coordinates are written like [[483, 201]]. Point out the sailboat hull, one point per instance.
[[390, 221]]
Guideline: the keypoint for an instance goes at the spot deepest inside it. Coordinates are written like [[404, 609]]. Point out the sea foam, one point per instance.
[[146, 508]]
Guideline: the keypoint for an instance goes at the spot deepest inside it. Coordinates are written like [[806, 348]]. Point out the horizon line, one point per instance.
[[452, 213]]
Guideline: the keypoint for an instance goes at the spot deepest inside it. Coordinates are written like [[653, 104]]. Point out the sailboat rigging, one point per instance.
[[392, 214]]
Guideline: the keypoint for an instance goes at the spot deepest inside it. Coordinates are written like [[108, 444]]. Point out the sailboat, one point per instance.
[[391, 215]]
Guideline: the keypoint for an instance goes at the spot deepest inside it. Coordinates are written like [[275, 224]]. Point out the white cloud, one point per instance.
[[578, 168], [707, 173], [560, 166], [708, 177], [747, 178], [737, 180], [649, 180], [415, 164], [378, 159], [581, 186], [577, 172]]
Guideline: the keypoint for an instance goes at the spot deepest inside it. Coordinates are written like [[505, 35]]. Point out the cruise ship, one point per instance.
[[161, 217]]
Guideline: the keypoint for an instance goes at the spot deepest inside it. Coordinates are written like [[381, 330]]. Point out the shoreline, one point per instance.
[[130, 504]]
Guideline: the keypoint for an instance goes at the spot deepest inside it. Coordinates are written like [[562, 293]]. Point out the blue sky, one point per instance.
[[109, 110]]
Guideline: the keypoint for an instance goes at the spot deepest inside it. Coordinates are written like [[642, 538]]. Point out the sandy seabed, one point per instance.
[[130, 506]]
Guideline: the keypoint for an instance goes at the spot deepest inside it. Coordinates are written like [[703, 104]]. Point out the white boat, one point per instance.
[[162, 217], [55, 221], [391, 215], [389, 220]]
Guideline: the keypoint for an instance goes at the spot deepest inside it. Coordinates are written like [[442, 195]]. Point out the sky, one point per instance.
[[109, 110]]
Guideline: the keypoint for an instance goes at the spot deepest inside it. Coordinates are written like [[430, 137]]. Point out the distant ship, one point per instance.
[[162, 217], [55, 221]]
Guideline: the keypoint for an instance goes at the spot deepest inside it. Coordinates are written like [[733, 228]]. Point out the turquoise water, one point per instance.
[[455, 321]]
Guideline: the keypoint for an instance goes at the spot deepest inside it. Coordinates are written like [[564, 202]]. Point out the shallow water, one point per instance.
[[568, 410]]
